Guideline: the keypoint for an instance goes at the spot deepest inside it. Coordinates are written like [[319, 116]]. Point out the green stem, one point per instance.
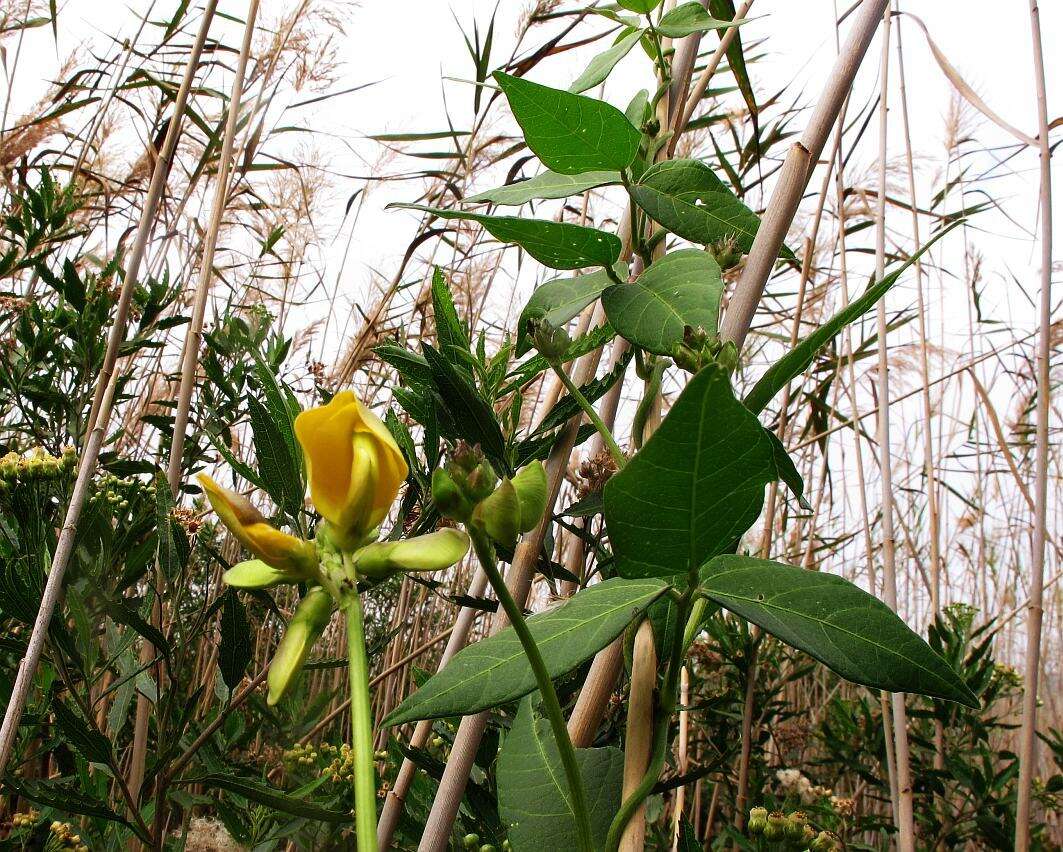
[[669, 696], [361, 721], [486, 554], [592, 415]]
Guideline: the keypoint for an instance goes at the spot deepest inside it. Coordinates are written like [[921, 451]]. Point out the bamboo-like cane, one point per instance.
[[396, 798], [904, 815], [794, 175], [102, 403], [1028, 735], [638, 739], [190, 360]]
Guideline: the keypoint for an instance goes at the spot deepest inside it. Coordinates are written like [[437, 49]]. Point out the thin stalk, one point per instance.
[[638, 732], [1028, 735], [361, 723], [904, 816], [486, 554], [592, 415], [794, 175]]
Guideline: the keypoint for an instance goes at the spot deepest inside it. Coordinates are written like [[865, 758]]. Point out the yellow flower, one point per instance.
[[354, 465], [277, 549]]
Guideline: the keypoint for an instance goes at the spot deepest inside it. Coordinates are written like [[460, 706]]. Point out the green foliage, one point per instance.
[[532, 788], [570, 133], [681, 290], [700, 479], [851, 632], [495, 670]]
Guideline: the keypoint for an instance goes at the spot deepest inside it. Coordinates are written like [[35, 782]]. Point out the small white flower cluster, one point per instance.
[[794, 783]]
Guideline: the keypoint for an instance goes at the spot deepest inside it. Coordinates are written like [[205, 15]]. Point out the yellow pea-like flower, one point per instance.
[[354, 466], [277, 549]]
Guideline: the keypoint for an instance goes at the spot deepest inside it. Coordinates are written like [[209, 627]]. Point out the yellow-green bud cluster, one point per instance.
[[341, 767], [63, 837], [468, 490], [305, 755], [37, 465], [792, 830], [116, 491], [26, 820]]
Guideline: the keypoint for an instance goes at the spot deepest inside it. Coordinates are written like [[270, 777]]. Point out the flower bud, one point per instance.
[[432, 552], [499, 514], [530, 485], [824, 842], [726, 252], [776, 827], [795, 825], [448, 496], [471, 841], [758, 820], [551, 341], [256, 574], [308, 622]]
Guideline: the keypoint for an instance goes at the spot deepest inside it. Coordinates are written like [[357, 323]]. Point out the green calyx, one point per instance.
[[432, 552], [308, 622]]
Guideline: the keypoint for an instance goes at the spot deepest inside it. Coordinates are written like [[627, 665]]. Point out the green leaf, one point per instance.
[[280, 469], [495, 670], [94, 746], [566, 408], [450, 330], [694, 488], [681, 289], [559, 245], [851, 632], [689, 18], [412, 367], [546, 185], [736, 59], [687, 198], [602, 64], [794, 362], [533, 794], [473, 416], [65, 796], [271, 797], [642, 7], [570, 133], [561, 299], [234, 653]]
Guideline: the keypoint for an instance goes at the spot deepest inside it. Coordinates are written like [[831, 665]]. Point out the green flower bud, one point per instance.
[[432, 552], [499, 514], [551, 341], [758, 820], [309, 621], [256, 574], [824, 842], [471, 841], [726, 253], [448, 497], [530, 484], [776, 827], [727, 356], [795, 825]]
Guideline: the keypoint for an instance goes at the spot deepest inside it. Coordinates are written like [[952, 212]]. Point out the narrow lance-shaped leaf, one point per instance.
[[570, 133], [533, 795], [602, 64], [546, 185], [679, 290], [559, 245], [794, 362], [851, 632], [495, 670]]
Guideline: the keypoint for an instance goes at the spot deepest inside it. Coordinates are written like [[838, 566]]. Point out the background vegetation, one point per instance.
[[145, 722]]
